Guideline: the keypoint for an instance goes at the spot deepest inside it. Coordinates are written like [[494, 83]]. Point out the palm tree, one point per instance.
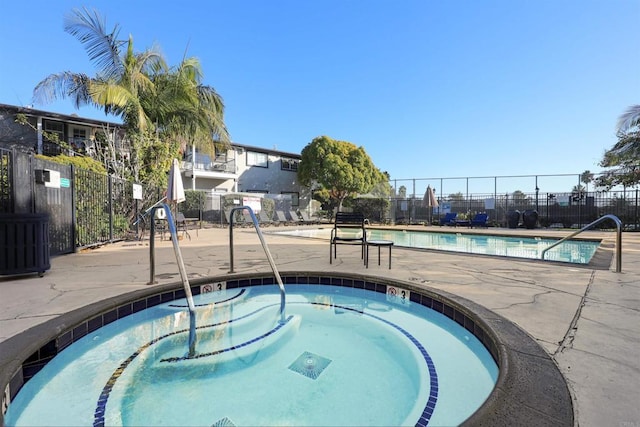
[[121, 76], [138, 87], [629, 119], [186, 110]]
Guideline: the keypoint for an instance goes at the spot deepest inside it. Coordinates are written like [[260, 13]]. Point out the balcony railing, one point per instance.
[[71, 147], [228, 166]]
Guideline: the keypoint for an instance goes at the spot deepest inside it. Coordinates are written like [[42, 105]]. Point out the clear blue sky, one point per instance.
[[430, 88]]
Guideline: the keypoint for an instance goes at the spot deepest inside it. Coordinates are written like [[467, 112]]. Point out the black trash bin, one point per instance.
[[24, 244], [530, 219], [513, 218]]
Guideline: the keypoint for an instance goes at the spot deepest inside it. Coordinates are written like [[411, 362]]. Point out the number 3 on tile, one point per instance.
[[398, 295]]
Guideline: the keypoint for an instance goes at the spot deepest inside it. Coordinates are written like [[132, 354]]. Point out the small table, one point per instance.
[[379, 244]]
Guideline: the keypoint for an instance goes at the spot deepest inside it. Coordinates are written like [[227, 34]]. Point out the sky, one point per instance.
[[433, 90]]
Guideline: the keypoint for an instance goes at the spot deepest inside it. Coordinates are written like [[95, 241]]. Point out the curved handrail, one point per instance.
[[597, 221], [266, 251], [183, 272]]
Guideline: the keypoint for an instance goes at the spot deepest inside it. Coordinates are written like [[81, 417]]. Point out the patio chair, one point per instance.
[[449, 219], [348, 229], [479, 220], [181, 225]]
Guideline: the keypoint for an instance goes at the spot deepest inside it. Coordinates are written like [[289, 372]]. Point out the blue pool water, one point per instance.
[[343, 357], [573, 251]]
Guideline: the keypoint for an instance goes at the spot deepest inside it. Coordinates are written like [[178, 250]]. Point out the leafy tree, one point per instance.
[[456, 197], [382, 189], [519, 196], [623, 158], [339, 168], [402, 192]]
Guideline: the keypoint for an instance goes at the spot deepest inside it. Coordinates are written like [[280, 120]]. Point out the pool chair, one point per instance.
[[348, 229], [282, 218], [449, 219], [306, 219], [264, 219], [181, 225], [479, 220], [295, 218]]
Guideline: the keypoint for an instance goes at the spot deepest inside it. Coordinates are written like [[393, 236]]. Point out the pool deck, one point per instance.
[[587, 318]]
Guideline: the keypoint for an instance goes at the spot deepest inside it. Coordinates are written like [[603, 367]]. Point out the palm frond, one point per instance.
[[629, 119], [61, 86], [103, 48]]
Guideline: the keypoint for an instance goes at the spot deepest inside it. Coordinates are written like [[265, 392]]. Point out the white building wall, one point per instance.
[[271, 180]]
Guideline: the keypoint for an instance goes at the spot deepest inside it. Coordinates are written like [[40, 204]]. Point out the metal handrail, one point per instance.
[[266, 251], [597, 221], [183, 271]]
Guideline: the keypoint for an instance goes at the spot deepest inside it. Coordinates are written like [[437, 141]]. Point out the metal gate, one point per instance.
[[53, 195]]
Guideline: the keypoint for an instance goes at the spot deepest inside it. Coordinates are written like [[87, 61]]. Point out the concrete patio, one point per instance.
[[587, 318]]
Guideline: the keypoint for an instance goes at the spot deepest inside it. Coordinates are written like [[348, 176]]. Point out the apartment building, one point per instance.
[[239, 169]]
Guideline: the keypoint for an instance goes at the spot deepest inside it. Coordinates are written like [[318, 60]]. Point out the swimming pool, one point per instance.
[[572, 251], [344, 356]]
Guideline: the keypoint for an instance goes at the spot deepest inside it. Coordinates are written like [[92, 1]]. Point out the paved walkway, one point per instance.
[[586, 318]]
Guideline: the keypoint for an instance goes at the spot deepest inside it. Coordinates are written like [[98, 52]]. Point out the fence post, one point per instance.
[[72, 184], [110, 191]]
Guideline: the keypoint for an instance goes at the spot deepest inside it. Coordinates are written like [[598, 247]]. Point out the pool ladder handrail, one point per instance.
[[597, 221], [266, 251], [183, 271]]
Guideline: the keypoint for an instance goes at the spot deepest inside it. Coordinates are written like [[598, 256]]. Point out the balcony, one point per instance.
[[215, 169], [71, 147]]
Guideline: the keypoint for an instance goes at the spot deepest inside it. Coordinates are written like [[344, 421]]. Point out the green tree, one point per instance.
[[586, 177], [186, 110], [623, 159], [456, 197], [402, 192], [158, 105], [121, 76], [339, 168], [518, 195]]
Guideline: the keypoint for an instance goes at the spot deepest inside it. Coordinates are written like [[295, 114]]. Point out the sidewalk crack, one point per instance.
[[569, 336]]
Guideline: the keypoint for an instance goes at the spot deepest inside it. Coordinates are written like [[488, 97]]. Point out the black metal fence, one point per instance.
[[84, 208], [87, 208], [6, 184], [567, 210]]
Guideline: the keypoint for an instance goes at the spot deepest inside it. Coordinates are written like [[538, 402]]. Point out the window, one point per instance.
[[289, 164], [295, 197], [56, 128], [78, 142], [257, 159], [220, 153], [51, 147]]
